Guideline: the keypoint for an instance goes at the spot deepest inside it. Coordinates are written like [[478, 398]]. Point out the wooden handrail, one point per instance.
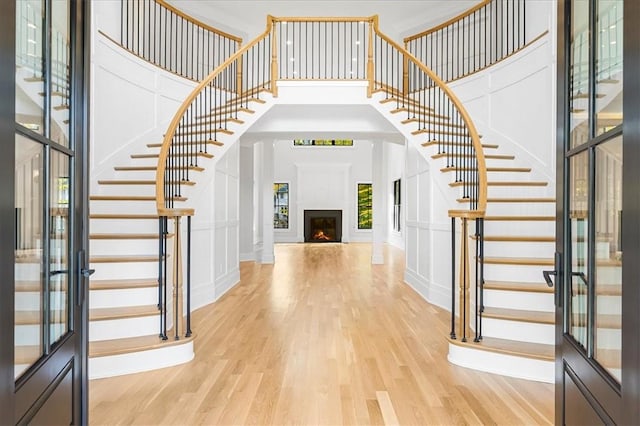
[[449, 22], [473, 132], [168, 137], [201, 24]]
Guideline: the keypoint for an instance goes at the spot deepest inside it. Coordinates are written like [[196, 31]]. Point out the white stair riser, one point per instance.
[[519, 331], [124, 297], [27, 272], [123, 207], [514, 273], [135, 190], [122, 328], [605, 305], [520, 209], [506, 365], [517, 228], [518, 249], [518, 191], [107, 226], [124, 247], [606, 338], [609, 274], [519, 300], [134, 362], [26, 335], [134, 174], [133, 270], [31, 301]]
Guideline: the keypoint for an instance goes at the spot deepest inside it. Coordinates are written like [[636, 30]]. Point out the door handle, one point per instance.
[[547, 277], [87, 272], [58, 272]]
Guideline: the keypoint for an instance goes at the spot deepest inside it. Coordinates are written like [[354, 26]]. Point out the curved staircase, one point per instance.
[[518, 328]]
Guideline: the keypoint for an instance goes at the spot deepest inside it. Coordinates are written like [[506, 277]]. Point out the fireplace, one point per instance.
[[322, 226]]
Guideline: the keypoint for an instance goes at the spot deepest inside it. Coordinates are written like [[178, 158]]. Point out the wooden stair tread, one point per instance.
[[487, 156], [60, 107], [122, 284], [123, 216], [513, 200], [231, 109], [448, 143], [489, 169], [36, 317], [26, 354], [126, 236], [127, 258], [122, 312], [525, 261], [518, 238], [439, 132], [101, 348], [432, 123], [154, 168], [502, 183], [197, 154], [510, 347], [196, 143], [206, 131], [521, 218], [520, 315], [610, 358], [35, 286], [142, 182], [516, 286], [215, 122], [129, 198], [421, 111], [602, 321]]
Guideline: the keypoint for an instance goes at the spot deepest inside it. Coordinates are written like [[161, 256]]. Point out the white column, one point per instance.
[[267, 203], [246, 204], [379, 205]]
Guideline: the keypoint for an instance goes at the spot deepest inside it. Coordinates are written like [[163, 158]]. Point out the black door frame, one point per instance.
[[36, 382], [628, 410]]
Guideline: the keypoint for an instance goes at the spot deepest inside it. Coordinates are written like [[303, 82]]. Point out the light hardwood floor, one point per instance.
[[320, 338]]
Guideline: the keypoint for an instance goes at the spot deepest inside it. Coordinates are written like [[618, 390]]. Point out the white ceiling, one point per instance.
[[248, 18]]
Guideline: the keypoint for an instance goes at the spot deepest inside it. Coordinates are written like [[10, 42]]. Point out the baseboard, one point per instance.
[[427, 290], [248, 257], [226, 283]]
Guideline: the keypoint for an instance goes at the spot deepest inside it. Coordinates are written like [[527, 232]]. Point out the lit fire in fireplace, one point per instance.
[[319, 235]]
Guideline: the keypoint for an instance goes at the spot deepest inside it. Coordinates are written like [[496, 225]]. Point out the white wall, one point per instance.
[[394, 155], [322, 178], [513, 105]]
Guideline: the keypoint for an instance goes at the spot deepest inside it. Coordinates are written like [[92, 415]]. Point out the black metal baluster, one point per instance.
[[452, 334], [188, 333]]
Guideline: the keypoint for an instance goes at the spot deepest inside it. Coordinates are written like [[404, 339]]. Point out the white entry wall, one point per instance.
[[322, 178]]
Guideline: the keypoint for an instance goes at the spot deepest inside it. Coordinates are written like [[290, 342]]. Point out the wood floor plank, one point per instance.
[[320, 337]]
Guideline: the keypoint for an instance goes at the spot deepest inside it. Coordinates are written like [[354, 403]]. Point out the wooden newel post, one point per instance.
[[370, 69], [464, 329], [274, 59]]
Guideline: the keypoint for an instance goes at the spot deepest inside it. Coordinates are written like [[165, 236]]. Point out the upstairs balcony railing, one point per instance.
[[327, 49], [473, 40], [163, 35]]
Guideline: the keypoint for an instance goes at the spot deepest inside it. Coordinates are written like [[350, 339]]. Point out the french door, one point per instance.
[[43, 329], [597, 215]]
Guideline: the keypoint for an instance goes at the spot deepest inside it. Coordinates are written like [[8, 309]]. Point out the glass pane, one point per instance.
[[281, 205], [609, 65], [29, 64], [29, 200], [608, 223], [579, 73], [579, 231], [60, 75], [365, 216], [59, 246]]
